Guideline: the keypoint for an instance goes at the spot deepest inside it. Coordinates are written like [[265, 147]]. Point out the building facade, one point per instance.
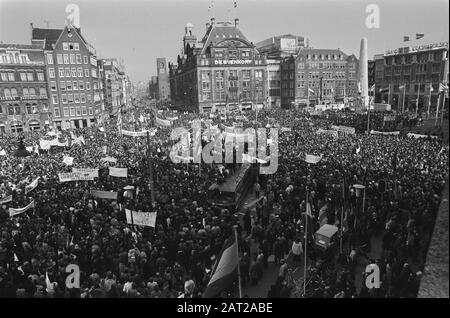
[[72, 71], [222, 70], [281, 46], [163, 79], [24, 98], [318, 76], [408, 78]]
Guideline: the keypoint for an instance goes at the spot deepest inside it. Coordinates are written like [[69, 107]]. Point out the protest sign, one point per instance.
[[91, 172], [140, 218], [70, 176], [118, 172], [104, 194]]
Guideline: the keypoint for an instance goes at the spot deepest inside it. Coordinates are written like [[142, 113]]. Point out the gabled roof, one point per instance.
[[49, 35], [21, 46], [221, 32]]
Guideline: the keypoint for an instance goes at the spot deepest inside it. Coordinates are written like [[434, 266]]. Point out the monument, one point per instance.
[[363, 79]]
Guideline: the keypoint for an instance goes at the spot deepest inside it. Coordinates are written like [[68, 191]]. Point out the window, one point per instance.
[[23, 59], [219, 85], [67, 72], [51, 72], [69, 86], [66, 112], [59, 58], [55, 99], [245, 84], [53, 86], [83, 109], [85, 59], [89, 99], [72, 111], [72, 58], [44, 106], [62, 86], [32, 92], [14, 92], [70, 98], [4, 77], [86, 72], [49, 59], [11, 77], [43, 92], [94, 72], [91, 111], [232, 54], [95, 85], [25, 92], [56, 112], [258, 74], [40, 77], [88, 86], [79, 58], [29, 111], [73, 72], [61, 72], [83, 98], [246, 73], [79, 72], [65, 46], [30, 77], [81, 85], [245, 54], [76, 98], [76, 46], [75, 85], [23, 77], [66, 58]]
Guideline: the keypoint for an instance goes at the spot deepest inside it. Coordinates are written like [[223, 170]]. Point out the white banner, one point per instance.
[[141, 218], [138, 133], [118, 172], [172, 118], [32, 185], [163, 122], [13, 212], [46, 144], [312, 158], [6, 199], [109, 159], [385, 133], [333, 133], [344, 129], [70, 176], [2, 152], [420, 136], [91, 172]]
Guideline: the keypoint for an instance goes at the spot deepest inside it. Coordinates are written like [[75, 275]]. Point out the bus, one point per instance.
[[233, 191]]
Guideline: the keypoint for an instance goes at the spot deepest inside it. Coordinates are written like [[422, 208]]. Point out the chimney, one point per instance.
[[236, 22], [213, 22]]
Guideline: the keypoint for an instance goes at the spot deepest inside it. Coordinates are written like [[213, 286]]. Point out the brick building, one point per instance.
[[418, 69], [163, 79], [72, 72], [24, 99], [317, 76], [222, 70]]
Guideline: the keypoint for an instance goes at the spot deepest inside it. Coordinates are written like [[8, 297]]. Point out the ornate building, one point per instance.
[[24, 99], [222, 70]]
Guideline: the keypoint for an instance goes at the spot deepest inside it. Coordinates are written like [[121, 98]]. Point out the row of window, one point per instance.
[[14, 58], [24, 77], [414, 58], [71, 72], [73, 111], [29, 109], [26, 92], [68, 59], [232, 83], [69, 85], [221, 95], [317, 65], [72, 98], [206, 75]]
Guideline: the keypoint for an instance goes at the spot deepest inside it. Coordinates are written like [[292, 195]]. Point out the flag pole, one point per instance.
[[342, 214], [443, 108], [306, 242], [403, 101], [429, 102], [417, 101], [150, 169], [437, 108], [238, 267]]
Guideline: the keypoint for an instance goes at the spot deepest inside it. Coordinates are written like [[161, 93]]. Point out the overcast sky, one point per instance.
[[139, 31]]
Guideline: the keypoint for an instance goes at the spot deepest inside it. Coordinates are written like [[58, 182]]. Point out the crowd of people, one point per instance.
[[68, 225]]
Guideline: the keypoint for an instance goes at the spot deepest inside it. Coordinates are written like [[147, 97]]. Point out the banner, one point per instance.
[[172, 118], [285, 129], [141, 218], [118, 172], [46, 144], [385, 133], [344, 129], [71, 176], [6, 199], [104, 194], [91, 172], [163, 123], [312, 158], [109, 159], [2, 152], [68, 160], [32, 185], [138, 133], [420, 136], [13, 212], [389, 118], [333, 133]]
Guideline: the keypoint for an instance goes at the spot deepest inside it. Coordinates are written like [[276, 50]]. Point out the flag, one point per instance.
[[312, 158], [384, 90], [36, 149], [48, 283], [16, 259], [358, 150], [308, 209], [225, 270], [431, 88], [311, 90], [105, 149], [419, 36], [372, 88], [405, 38], [442, 87], [401, 86], [141, 118]]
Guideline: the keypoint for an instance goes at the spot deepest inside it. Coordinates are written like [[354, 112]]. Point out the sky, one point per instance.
[[139, 31]]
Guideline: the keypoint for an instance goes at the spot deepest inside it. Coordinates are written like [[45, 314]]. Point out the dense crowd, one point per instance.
[[68, 225]]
